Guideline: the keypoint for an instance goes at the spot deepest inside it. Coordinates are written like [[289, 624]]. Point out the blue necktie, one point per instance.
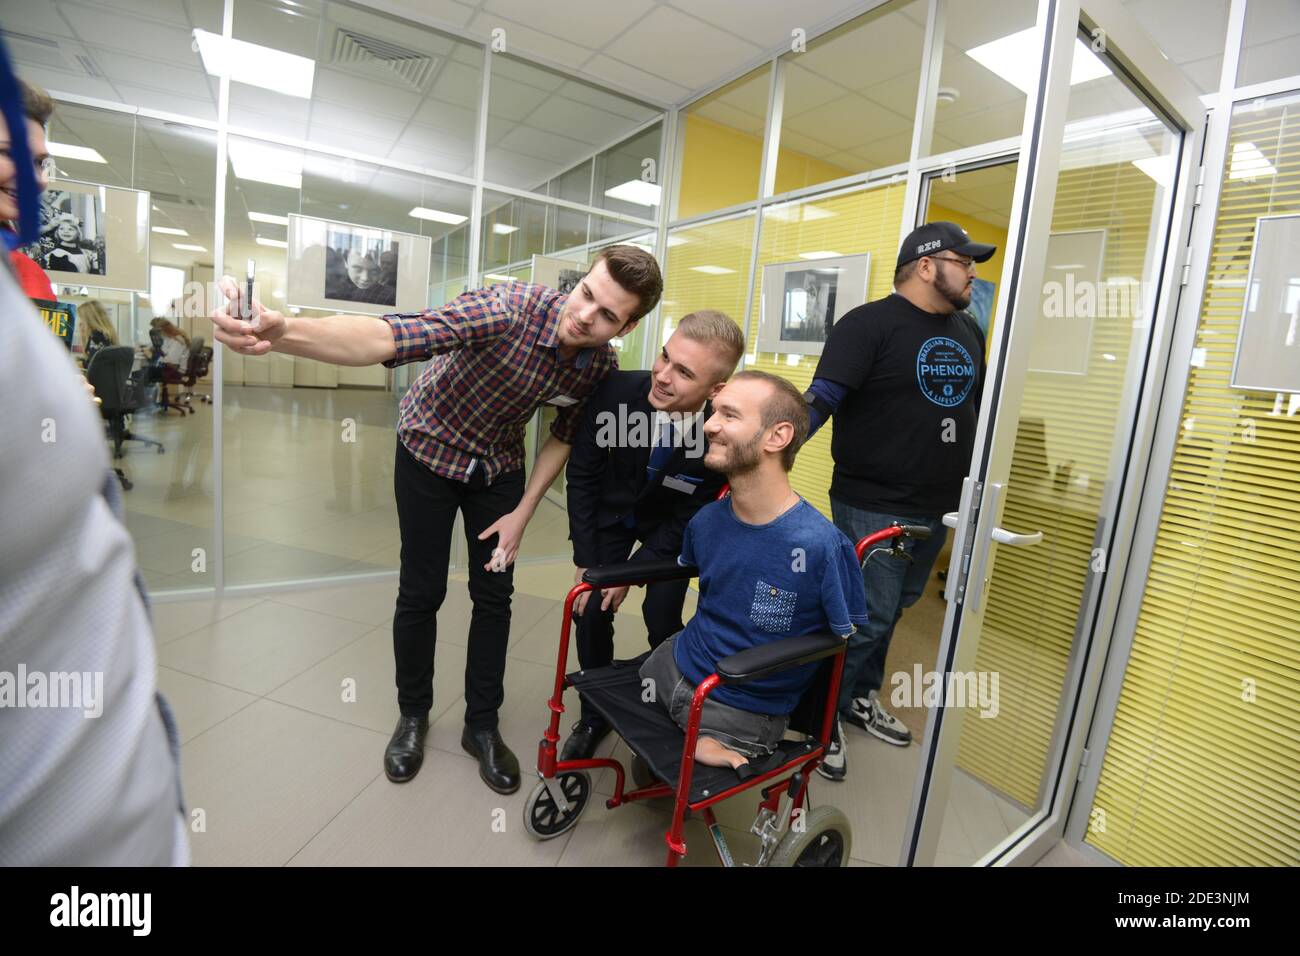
[[661, 452]]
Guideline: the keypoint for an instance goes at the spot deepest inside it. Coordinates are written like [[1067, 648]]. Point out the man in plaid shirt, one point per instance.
[[495, 356]]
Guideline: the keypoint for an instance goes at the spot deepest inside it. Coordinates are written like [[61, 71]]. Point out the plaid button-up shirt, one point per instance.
[[494, 359]]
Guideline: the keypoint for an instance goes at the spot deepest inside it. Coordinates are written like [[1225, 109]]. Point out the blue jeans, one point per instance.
[[892, 584]]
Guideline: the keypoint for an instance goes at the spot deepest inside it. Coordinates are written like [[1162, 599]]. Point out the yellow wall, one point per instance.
[[980, 231], [720, 168], [864, 221]]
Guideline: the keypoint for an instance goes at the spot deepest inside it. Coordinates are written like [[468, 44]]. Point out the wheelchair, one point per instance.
[[663, 763]]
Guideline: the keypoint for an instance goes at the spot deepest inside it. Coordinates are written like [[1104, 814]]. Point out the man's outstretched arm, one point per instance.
[[337, 339]]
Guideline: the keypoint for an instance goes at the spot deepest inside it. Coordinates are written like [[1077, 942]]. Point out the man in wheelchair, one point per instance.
[[770, 567]]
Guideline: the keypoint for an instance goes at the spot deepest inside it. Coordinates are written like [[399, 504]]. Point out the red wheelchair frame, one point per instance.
[[548, 766]]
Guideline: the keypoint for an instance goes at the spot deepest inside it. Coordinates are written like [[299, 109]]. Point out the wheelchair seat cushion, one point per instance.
[[645, 726]]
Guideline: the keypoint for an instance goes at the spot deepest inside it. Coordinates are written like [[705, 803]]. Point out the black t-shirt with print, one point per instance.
[[903, 434]]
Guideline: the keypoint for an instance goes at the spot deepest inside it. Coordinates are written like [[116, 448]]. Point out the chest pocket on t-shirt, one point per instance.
[[773, 609]]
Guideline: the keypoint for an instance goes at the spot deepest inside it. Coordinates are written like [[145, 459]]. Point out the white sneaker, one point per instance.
[[834, 766], [874, 719]]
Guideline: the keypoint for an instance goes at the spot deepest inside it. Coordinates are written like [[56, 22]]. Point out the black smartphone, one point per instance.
[[246, 306]]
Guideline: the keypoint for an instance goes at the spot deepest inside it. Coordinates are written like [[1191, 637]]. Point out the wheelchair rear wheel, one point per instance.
[[543, 819], [823, 838]]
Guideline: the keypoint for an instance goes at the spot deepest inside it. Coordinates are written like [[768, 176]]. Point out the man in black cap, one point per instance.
[[903, 377]]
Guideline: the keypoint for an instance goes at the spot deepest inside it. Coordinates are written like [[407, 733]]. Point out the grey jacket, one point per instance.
[[89, 759]]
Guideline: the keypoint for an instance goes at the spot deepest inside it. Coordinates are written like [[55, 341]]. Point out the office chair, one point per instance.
[[197, 367], [109, 372]]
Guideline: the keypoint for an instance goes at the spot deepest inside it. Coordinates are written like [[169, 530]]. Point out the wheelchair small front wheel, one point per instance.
[[543, 819], [821, 837]]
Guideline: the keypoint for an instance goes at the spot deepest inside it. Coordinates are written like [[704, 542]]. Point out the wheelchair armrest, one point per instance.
[[637, 572], [765, 659]]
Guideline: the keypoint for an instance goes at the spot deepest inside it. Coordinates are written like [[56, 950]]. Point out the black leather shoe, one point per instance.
[[583, 740], [405, 751], [497, 764]]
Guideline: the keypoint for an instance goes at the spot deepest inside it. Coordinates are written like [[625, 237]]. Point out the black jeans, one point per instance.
[[426, 513], [661, 609]]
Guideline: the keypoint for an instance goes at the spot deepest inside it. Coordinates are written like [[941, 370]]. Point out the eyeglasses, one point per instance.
[[44, 167], [967, 264]]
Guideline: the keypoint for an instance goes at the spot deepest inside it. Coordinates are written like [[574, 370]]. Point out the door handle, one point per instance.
[[951, 518], [1002, 536], [975, 582]]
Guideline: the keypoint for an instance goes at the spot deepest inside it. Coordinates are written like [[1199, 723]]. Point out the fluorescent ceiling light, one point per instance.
[[256, 65], [277, 243], [66, 151], [437, 215], [501, 229], [188, 248], [636, 191], [712, 270], [1015, 58], [1248, 162], [1159, 168], [266, 164], [823, 254], [169, 231], [269, 218]]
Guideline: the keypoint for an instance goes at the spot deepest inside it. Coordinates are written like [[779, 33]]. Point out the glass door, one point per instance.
[[1071, 337]]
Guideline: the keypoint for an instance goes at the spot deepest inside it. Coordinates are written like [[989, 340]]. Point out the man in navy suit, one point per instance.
[[636, 475]]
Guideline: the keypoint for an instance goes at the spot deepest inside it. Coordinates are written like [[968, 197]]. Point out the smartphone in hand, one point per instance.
[[246, 304]]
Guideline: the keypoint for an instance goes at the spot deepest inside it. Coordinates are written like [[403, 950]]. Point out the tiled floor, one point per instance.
[[285, 703]]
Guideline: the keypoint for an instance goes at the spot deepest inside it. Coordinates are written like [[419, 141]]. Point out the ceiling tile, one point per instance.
[[459, 84], [634, 80], [450, 121], [588, 23], [357, 92], [525, 40], [765, 25], [584, 124], [449, 12], [669, 43], [511, 100]]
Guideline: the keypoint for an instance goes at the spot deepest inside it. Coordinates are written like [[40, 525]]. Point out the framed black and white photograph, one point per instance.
[[345, 267], [803, 300], [72, 232], [361, 266], [93, 235], [569, 279], [562, 275]]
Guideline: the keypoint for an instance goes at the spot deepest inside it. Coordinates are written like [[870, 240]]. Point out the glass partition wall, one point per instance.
[[370, 142]]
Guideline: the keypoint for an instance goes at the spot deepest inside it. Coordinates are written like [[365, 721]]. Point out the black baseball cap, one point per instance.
[[941, 237]]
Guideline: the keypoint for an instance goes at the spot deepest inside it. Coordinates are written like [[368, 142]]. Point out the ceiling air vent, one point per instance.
[[381, 57]]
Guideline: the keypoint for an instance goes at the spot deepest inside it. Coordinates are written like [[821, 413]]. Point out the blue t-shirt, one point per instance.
[[795, 575]]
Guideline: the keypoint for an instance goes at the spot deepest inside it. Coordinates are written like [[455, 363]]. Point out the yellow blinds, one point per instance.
[[1203, 763]]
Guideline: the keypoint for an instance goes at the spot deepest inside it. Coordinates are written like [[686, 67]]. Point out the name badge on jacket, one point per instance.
[[682, 483]]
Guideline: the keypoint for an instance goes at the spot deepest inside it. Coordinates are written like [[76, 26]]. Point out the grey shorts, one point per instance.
[[754, 735]]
